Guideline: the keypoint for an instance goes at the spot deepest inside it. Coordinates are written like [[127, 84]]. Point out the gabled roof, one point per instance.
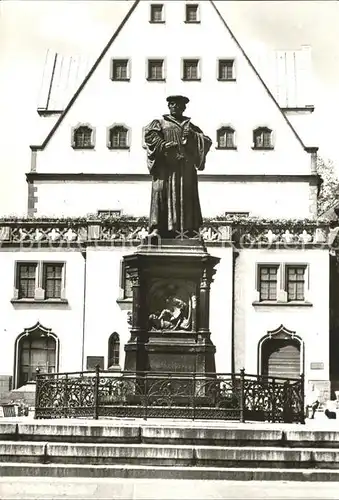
[[108, 45], [90, 73], [62, 75]]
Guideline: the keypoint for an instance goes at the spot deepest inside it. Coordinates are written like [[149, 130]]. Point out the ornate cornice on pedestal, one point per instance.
[[129, 231]]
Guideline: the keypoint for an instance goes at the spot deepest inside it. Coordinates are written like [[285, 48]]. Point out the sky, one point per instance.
[[28, 28]]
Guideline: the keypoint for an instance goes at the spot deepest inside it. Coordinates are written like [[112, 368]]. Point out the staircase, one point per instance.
[[168, 450]]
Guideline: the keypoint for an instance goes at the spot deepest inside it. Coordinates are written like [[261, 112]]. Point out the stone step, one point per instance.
[[70, 431], [156, 472], [181, 433], [168, 455]]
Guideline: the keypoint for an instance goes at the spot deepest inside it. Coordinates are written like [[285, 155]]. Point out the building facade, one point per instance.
[[64, 293]]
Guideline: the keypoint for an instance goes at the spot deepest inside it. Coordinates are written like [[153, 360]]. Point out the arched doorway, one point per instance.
[[281, 354], [36, 347]]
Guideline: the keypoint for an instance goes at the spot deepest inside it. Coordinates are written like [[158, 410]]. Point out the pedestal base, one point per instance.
[[177, 353], [170, 320]]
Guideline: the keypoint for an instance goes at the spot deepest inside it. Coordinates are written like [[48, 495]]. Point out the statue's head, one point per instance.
[[177, 104]]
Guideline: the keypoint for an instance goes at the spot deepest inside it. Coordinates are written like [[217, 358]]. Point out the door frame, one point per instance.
[[281, 333], [38, 327]]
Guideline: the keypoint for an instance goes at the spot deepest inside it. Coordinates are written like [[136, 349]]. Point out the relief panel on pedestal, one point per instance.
[[172, 306]]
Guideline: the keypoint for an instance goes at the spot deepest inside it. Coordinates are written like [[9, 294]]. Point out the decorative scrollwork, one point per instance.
[[190, 395]]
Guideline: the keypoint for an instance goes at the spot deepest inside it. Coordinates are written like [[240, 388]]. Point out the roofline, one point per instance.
[[82, 85], [258, 75], [297, 109], [34, 176], [49, 112]]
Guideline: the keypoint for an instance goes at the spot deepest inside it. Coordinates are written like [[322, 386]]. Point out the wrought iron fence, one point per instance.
[[221, 396]]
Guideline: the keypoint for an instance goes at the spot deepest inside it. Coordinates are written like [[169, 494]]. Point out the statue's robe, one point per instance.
[[175, 206]]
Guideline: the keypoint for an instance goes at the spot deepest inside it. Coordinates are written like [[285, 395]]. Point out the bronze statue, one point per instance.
[[176, 149]]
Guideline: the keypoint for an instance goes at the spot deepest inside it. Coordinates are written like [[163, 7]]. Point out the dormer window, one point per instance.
[[83, 137], [262, 138], [157, 13], [192, 13], [118, 137], [226, 138]]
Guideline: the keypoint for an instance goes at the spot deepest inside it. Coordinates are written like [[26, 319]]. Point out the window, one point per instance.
[[226, 69], [120, 70], [225, 138], [262, 138], [191, 69], [155, 70], [109, 213], [237, 214], [113, 350], [26, 277], [39, 281], [282, 284], [268, 283], [52, 274], [157, 13], [118, 137], [83, 137], [295, 283], [192, 13]]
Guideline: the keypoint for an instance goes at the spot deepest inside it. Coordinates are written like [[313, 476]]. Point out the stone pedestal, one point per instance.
[[170, 316]]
